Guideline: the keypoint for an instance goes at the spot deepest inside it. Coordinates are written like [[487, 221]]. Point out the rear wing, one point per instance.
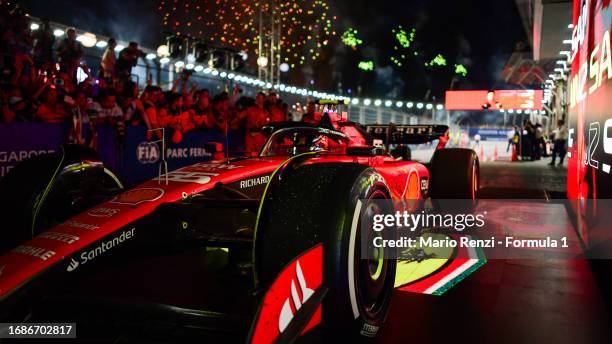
[[407, 134]]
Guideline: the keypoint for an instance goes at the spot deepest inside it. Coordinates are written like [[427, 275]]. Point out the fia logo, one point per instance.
[[72, 266], [286, 314], [147, 153]]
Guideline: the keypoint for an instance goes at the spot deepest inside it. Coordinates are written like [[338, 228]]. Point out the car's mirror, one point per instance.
[[267, 130]]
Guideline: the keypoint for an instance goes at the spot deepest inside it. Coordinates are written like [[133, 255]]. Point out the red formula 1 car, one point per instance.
[[261, 249]]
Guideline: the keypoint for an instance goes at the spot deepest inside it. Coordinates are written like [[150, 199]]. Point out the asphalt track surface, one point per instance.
[[511, 301]]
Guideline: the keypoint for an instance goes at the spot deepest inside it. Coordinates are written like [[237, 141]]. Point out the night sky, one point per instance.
[[481, 34]]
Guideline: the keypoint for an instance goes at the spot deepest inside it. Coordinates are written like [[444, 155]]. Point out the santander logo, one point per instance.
[[72, 266], [287, 312]]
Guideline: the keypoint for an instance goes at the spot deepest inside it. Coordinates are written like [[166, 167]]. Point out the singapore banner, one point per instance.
[[21, 141]]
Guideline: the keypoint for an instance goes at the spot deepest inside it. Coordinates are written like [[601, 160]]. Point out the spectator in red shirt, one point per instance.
[[15, 107], [51, 110], [177, 117], [188, 101], [149, 99], [276, 112], [257, 117], [310, 115], [188, 121], [170, 119], [220, 112], [202, 112]]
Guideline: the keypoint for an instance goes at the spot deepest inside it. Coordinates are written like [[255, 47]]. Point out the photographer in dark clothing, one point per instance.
[[128, 58], [43, 40], [69, 53], [528, 141]]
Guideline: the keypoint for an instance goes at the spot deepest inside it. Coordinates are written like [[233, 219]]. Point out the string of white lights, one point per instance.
[[560, 72], [162, 55]]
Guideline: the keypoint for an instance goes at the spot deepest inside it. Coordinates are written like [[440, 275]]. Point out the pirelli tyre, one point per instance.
[[50, 188], [454, 174], [312, 203]]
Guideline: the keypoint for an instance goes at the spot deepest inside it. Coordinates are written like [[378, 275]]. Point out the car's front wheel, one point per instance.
[[324, 203], [48, 189]]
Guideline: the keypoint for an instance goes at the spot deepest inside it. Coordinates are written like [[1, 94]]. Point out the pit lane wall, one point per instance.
[[590, 101], [590, 117], [134, 158]]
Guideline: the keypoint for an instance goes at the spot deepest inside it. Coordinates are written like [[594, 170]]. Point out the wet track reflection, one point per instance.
[[547, 300]]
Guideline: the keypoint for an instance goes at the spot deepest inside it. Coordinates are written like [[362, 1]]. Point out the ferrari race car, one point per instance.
[[259, 249]]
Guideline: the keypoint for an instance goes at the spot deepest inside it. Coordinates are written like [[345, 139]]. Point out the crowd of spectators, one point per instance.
[[39, 83]]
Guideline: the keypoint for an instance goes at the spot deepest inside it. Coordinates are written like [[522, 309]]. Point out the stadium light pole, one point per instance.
[[269, 42]]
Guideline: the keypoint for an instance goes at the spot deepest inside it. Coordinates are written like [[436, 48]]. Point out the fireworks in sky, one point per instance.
[[404, 40], [367, 66], [306, 25], [438, 61], [461, 70], [350, 38]]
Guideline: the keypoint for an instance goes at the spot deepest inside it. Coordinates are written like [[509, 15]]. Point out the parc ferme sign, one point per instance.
[[142, 157], [590, 102]]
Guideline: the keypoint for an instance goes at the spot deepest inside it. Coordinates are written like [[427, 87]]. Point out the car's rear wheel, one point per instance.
[[321, 203], [455, 174]]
